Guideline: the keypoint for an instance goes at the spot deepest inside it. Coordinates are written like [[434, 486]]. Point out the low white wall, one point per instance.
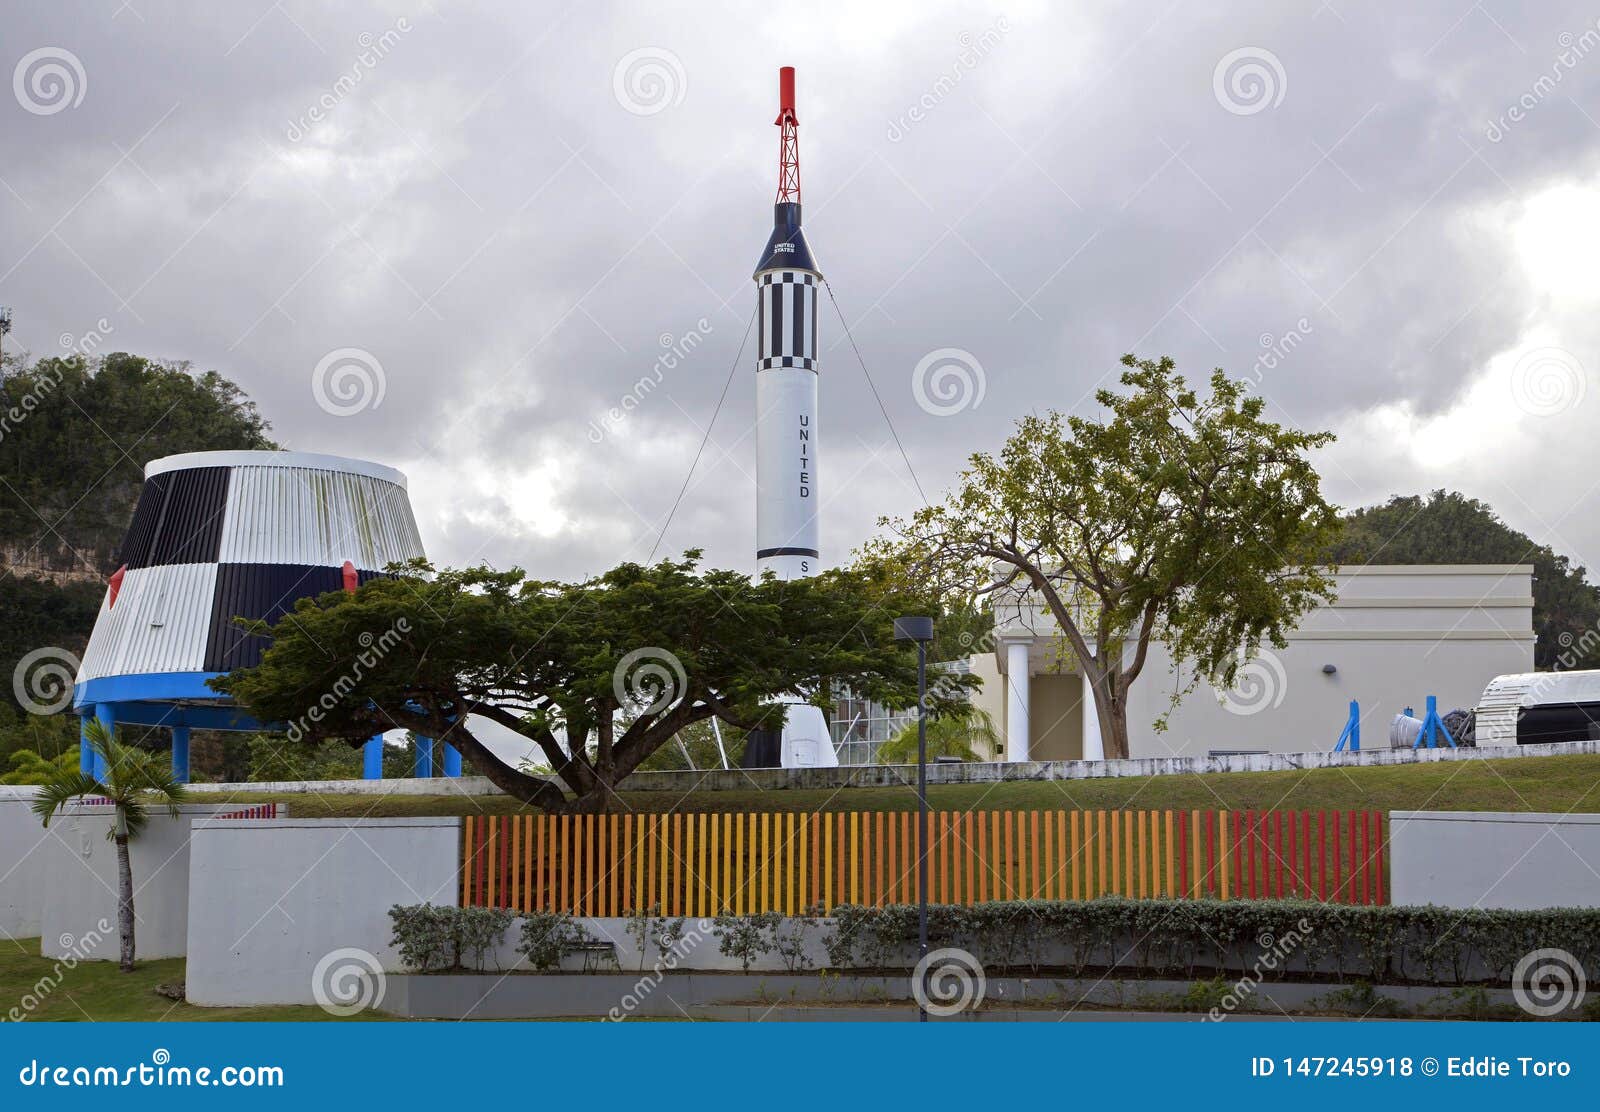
[[1494, 859], [25, 846], [80, 887], [271, 898]]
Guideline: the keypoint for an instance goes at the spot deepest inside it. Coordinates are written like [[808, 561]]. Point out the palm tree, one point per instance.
[[956, 735], [134, 780]]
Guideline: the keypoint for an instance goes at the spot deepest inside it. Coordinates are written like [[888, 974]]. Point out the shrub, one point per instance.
[[547, 936], [746, 937], [432, 938]]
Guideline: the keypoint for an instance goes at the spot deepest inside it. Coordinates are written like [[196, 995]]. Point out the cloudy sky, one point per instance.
[[457, 237]]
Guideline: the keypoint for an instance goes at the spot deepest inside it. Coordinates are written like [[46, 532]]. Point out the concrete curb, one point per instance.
[[755, 996]]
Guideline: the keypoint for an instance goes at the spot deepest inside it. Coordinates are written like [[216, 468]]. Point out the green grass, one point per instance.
[[1568, 783], [96, 991]]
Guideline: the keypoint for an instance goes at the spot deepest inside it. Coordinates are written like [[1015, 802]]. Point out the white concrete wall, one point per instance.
[[1394, 635], [1494, 859], [25, 846], [80, 890], [270, 898]]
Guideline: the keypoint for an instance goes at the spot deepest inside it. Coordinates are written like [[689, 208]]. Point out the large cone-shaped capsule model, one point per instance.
[[221, 535], [789, 298]]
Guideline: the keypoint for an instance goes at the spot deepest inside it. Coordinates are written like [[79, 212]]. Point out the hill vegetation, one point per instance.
[[1449, 528], [75, 434]]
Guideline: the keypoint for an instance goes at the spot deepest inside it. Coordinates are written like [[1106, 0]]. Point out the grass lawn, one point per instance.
[[1569, 783], [95, 991]]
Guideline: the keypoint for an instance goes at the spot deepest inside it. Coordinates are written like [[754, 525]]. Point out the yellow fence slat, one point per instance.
[[704, 864]]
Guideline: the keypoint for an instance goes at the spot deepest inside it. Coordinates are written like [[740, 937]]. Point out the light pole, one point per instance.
[[920, 630]]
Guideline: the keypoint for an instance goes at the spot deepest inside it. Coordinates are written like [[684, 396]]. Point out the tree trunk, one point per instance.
[[1111, 707], [125, 902], [541, 793], [1114, 729]]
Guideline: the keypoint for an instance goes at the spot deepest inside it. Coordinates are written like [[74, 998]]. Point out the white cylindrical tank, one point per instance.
[[787, 541]]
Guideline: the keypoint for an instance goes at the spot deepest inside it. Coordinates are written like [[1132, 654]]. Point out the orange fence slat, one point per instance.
[[703, 864]]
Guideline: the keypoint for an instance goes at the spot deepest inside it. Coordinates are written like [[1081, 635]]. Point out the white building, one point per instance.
[[1392, 637]]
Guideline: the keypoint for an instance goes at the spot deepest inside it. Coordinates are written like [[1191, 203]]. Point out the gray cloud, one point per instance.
[[477, 209]]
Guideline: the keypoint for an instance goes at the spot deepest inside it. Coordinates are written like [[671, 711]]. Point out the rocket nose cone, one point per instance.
[[787, 247]]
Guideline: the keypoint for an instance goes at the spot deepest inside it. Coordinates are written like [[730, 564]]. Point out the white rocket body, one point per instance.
[[787, 541], [788, 291]]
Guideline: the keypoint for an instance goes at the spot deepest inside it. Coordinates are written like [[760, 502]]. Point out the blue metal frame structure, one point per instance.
[[181, 701], [1352, 730], [1433, 727]]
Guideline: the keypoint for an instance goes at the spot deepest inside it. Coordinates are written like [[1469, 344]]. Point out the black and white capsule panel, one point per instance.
[[786, 423], [787, 319], [220, 535]]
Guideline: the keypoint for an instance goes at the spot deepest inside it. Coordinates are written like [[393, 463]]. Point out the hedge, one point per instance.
[[1300, 939], [1273, 939]]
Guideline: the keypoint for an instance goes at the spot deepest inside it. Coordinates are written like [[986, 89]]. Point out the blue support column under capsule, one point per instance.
[[452, 760], [85, 753], [423, 768], [180, 754], [107, 716], [372, 758]]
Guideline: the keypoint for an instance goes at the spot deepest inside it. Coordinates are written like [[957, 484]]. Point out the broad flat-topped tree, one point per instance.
[[597, 674], [1192, 520]]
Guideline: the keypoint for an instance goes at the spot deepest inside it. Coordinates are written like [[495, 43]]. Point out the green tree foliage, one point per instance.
[[967, 734], [75, 434], [1449, 528], [35, 614], [619, 663], [273, 757], [134, 781], [1189, 519], [27, 767], [695, 747]]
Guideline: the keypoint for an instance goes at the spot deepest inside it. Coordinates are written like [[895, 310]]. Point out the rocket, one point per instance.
[[788, 288], [788, 296]]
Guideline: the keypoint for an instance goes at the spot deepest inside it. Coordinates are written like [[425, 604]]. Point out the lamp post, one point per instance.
[[920, 630]]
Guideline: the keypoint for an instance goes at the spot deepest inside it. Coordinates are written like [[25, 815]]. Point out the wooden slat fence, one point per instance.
[[709, 864]]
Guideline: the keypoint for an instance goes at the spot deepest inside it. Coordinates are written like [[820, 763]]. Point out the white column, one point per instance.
[[1094, 748], [1017, 701]]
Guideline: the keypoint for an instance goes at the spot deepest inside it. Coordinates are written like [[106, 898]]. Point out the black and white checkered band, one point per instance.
[[785, 277], [778, 361]]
